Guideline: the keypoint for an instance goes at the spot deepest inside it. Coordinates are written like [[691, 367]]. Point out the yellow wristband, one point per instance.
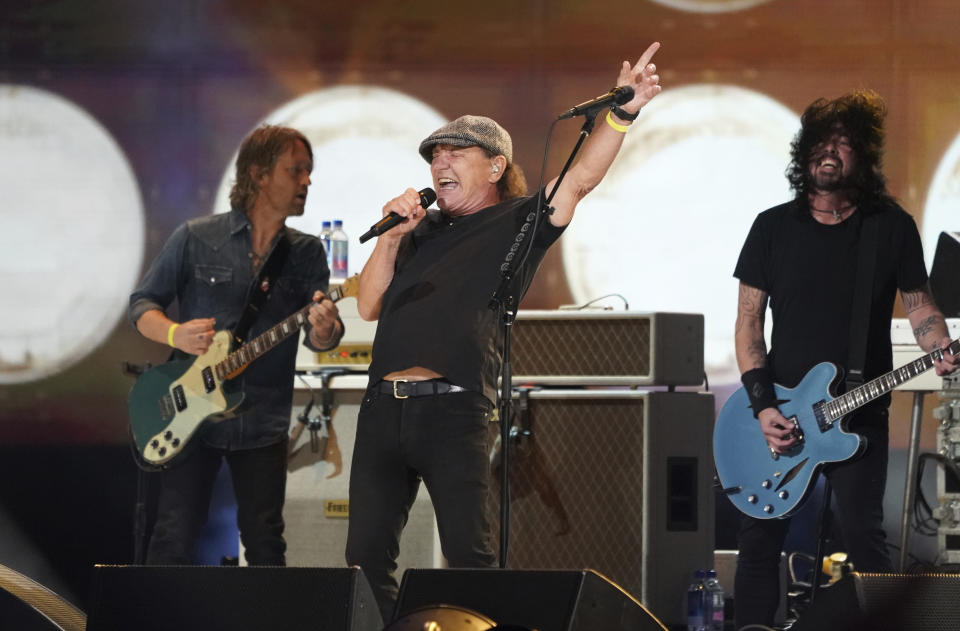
[[620, 128], [173, 327]]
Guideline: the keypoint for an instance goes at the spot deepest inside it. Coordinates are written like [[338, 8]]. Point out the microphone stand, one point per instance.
[[140, 506], [504, 301]]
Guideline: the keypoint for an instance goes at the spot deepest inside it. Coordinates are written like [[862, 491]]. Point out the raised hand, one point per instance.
[[642, 77]]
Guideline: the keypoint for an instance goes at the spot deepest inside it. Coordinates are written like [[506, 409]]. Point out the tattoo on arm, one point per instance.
[[913, 300], [753, 301], [757, 351], [926, 325], [751, 309], [752, 305]]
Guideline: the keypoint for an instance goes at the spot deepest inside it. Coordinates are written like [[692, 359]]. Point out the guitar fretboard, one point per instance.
[[235, 361], [860, 396]]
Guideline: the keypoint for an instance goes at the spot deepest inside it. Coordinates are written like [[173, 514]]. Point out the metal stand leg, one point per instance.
[[822, 531], [908, 492]]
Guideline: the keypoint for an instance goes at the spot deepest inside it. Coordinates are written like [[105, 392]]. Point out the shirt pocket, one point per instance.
[[213, 275], [213, 294]]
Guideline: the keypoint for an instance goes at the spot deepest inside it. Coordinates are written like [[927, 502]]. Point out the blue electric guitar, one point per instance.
[[767, 485], [170, 402]]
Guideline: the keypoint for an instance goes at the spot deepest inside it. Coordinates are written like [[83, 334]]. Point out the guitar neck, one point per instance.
[[862, 395], [238, 359], [264, 342], [340, 291]]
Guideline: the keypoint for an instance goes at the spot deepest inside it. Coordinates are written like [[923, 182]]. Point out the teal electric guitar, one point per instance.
[[170, 402], [767, 485]]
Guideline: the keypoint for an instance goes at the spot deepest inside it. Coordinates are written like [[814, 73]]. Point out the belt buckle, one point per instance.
[[396, 394]]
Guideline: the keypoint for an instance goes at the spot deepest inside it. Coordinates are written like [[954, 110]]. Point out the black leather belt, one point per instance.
[[401, 389]]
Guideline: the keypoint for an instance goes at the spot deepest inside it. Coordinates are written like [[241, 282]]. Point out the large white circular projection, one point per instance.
[[943, 202], [710, 6], [71, 241], [666, 225], [365, 142]]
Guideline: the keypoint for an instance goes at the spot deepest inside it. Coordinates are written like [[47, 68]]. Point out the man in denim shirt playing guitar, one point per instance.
[[207, 267]]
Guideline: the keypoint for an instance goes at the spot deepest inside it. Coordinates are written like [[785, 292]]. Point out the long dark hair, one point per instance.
[[860, 115]]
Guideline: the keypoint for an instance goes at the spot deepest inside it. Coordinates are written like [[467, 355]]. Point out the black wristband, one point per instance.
[[758, 383], [624, 115]]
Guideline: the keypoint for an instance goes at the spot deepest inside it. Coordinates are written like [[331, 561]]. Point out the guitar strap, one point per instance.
[[862, 294], [261, 286]]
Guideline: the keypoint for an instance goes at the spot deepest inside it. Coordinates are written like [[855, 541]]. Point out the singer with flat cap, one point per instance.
[[437, 351]]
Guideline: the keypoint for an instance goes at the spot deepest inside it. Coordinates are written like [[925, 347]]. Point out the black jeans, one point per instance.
[[858, 488], [259, 479], [441, 439]]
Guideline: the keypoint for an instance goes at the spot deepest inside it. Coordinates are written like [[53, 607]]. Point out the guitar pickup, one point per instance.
[[179, 398], [209, 383]]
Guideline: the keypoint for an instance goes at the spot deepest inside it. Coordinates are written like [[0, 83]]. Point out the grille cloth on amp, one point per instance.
[[557, 347], [616, 481]]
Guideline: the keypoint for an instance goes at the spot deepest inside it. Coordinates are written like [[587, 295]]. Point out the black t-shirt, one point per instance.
[[809, 271], [435, 312]]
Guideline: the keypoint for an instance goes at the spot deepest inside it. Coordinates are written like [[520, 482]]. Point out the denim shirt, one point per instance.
[[205, 268]]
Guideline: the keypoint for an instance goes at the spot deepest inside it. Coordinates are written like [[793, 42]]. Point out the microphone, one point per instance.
[[427, 197], [616, 96]]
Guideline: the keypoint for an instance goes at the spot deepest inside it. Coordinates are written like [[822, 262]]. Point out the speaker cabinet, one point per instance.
[[619, 481], [557, 600], [26, 605], [173, 598], [886, 602]]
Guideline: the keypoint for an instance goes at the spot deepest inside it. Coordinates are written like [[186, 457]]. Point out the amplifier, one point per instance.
[[607, 348]]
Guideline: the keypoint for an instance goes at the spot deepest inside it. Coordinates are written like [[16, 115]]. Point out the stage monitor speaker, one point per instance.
[[886, 602], [25, 605], [546, 600], [619, 481], [173, 598], [593, 348], [944, 280]]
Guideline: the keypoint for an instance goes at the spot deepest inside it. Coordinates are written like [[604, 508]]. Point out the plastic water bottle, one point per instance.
[[696, 603], [713, 601], [338, 251], [325, 233]]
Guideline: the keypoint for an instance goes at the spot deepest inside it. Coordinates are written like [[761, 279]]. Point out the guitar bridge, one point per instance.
[[166, 407]]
